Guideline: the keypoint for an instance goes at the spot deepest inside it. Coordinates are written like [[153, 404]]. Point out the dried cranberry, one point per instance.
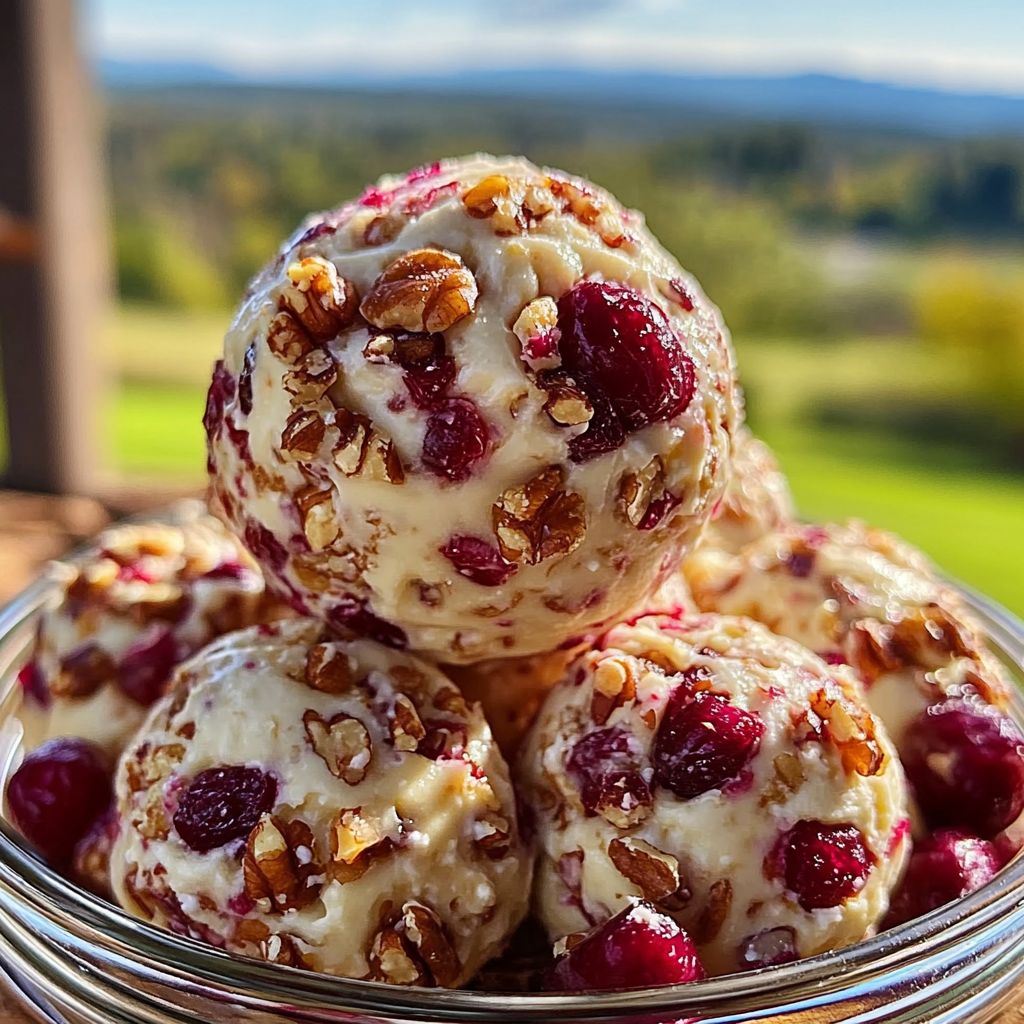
[[311, 234], [33, 683], [222, 391], [57, 793], [427, 382], [965, 762], [455, 440], [625, 343], [353, 614], [800, 564], [604, 765], [636, 948], [443, 741], [823, 864], [943, 867], [223, 804], [478, 560], [768, 948], [230, 571], [147, 665], [703, 742], [264, 546], [245, 380], [658, 511]]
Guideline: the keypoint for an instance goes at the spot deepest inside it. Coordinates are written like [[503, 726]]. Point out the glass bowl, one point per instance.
[[70, 957]]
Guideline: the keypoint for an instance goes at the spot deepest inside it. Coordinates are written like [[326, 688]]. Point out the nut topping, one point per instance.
[[614, 685], [638, 490], [287, 338], [406, 728], [851, 729], [318, 520], [324, 303], [715, 911], [365, 452], [303, 435], [539, 519], [83, 672], [493, 836], [500, 198], [653, 872], [343, 743], [279, 866], [428, 935], [309, 381], [423, 290], [328, 669], [566, 404], [536, 327], [352, 839], [392, 962]]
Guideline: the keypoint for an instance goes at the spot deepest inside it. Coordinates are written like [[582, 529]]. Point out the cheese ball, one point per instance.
[[142, 599], [323, 804], [864, 597], [478, 412], [726, 775], [756, 502]]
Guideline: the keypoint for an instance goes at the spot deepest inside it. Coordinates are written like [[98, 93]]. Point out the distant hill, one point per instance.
[[815, 99]]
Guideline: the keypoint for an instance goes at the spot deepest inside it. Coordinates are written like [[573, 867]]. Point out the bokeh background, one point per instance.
[[848, 185]]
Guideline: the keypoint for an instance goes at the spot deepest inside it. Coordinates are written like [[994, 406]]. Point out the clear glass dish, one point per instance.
[[70, 957]]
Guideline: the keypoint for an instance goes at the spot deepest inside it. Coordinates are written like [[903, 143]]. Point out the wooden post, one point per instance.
[[54, 258]]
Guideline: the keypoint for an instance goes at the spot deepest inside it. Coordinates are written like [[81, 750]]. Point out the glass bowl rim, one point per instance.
[[32, 880]]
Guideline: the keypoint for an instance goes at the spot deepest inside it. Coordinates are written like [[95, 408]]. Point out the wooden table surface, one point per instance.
[[34, 529]]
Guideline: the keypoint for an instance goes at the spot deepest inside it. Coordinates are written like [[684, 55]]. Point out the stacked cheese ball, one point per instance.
[[482, 436]]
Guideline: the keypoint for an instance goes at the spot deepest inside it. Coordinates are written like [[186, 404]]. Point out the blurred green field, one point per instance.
[[970, 520]]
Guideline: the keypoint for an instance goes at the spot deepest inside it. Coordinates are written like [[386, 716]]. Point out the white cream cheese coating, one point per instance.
[[386, 844], [610, 827], [326, 460]]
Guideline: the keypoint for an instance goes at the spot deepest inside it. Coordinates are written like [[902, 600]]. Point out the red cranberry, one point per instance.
[[636, 948], [264, 546], [222, 391], [456, 439], [768, 948], [965, 761], [33, 682], [800, 564], [147, 665], [945, 866], [703, 742], [658, 511], [223, 804], [230, 571], [245, 380], [57, 793], [823, 864], [617, 336], [427, 382], [478, 560], [315, 232], [354, 615], [604, 765]]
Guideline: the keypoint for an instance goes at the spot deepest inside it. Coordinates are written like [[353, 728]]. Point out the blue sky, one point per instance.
[[977, 46]]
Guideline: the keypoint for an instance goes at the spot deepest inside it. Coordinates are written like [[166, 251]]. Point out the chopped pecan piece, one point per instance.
[[343, 742], [579, 201], [364, 452], [354, 839], [449, 699], [788, 778], [715, 911], [319, 523], [499, 198], [406, 728], [393, 962], [303, 435], [324, 303], [282, 948], [493, 836], [429, 937], [851, 729], [83, 672], [310, 380], [870, 649], [328, 669], [279, 867], [638, 490], [539, 519], [287, 338], [614, 686], [536, 327], [654, 872], [566, 404], [422, 290]]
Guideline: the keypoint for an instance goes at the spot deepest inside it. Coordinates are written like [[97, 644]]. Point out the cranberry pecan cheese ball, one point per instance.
[[863, 596], [477, 412], [330, 805], [756, 502], [142, 599], [728, 776]]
